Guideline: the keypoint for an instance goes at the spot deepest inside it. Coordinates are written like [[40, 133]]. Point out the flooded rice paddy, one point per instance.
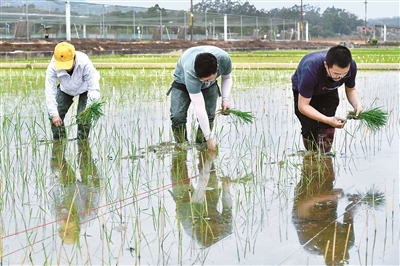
[[128, 195]]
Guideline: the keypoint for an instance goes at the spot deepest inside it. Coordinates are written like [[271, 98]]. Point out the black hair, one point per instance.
[[205, 65], [338, 55]]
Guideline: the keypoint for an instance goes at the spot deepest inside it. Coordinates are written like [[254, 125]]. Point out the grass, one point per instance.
[[365, 55]]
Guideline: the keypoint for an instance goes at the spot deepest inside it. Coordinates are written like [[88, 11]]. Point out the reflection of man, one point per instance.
[[75, 197], [197, 206], [315, 210]]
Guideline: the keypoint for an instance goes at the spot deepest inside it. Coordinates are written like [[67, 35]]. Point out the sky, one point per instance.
[[375, 8]]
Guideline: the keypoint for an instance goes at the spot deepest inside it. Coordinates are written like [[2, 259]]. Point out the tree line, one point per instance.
[[331, 22]]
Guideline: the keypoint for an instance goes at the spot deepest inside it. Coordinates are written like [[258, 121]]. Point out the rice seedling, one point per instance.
[[376, 55], [1, 231], [373, 197], [373, 119], [245, 117], [92, 114]]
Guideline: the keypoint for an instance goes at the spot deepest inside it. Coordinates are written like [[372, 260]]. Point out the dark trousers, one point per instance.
[[64, 102], [326, 104], [180, 102]]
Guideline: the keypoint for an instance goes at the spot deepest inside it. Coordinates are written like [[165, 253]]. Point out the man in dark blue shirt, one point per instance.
[[315, 88]]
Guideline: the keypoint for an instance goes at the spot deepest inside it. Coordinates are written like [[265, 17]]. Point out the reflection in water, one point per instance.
[[315, 210], [197, 206], [75, 196], [1, 238]]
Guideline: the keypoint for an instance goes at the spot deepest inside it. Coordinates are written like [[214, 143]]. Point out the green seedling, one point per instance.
[[245, 117], [92, 113], [374, 119]]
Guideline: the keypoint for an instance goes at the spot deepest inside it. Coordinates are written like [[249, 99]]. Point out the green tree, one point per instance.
[[227, 7], [335, 21], [248, 9], [154, 11], [311, 14], [285, 13]]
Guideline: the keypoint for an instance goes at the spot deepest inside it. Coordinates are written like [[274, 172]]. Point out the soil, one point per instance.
[[41, 45]]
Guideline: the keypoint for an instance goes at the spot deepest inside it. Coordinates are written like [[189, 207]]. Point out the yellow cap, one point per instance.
[[69, 232], [64, 54]]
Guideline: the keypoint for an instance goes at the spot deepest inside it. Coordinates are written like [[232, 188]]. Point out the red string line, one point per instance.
[[150, 192]]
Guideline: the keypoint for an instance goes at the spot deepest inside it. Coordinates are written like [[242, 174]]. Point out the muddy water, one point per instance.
[[129, 195]]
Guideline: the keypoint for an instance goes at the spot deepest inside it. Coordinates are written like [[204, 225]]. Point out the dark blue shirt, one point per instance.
[[310, 78]]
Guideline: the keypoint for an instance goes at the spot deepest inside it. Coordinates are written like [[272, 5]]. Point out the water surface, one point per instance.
[[129, 195]]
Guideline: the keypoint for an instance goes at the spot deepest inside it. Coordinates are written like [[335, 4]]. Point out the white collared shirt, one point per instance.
[[84, 78]]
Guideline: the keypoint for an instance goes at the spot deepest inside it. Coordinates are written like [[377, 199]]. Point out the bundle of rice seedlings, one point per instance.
[[372, 197], [92, 113], [373, 119], [245, 117]]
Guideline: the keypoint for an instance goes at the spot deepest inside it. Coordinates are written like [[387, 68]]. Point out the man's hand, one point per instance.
[[211, 145], [358, 109], [207, 155], [57, 121], [225, 105], [337, 122]]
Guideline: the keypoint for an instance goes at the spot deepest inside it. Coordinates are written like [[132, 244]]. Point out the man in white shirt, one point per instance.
[[77, 76]]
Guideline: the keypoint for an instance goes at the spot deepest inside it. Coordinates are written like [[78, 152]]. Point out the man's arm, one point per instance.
[[202, 117], [51, 94], [354, 99], [306, 109], [226, 86], [92, 77], [51, 91]]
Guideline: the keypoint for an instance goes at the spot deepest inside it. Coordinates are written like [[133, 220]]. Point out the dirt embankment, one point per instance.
[[9, 46]]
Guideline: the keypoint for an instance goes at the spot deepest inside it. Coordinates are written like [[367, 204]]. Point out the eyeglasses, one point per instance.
[[210, 78], [339, 76]]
